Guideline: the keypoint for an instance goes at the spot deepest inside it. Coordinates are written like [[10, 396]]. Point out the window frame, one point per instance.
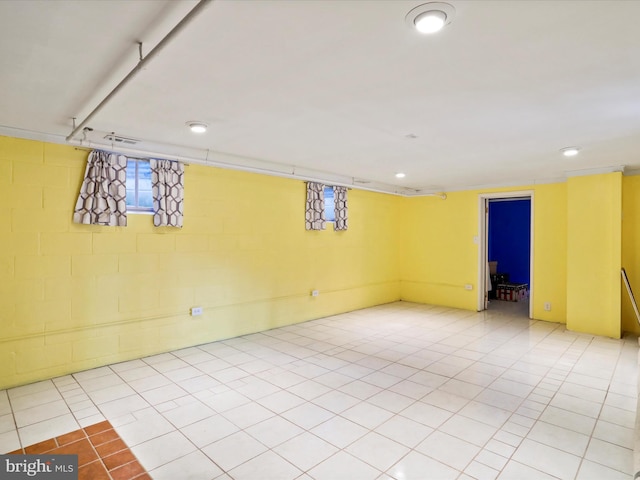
[[327, 211], [137, 208]]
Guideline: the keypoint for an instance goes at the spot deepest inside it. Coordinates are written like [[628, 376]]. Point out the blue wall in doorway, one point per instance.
[[510, 237]]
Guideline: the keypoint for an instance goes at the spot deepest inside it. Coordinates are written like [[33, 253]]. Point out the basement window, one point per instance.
[[139, 197], [329, 205]]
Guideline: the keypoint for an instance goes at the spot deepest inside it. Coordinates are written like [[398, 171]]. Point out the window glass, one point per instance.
[[329, 206], [139, 197]]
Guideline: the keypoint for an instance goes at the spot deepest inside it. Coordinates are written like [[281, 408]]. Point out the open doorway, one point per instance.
[[506, 246]]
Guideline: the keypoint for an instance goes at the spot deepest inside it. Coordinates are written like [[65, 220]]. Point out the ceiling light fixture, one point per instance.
[[400, 175], [570, 151], [197, 127], [430, 17]]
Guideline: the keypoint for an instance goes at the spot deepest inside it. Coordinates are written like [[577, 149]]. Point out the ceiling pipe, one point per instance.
[[135, 153], [143, 61]]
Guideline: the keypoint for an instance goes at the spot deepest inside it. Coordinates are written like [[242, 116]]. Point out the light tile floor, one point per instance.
[[400, 391]]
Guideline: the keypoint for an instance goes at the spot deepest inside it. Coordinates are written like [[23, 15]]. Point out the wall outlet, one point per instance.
[[468, 286], [315, 293], [547, 306], [195, 311]]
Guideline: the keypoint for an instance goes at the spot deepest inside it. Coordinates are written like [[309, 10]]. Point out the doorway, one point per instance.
[[506, 252]]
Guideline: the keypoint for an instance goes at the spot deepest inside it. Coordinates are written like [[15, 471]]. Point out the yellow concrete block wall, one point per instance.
[[594, 254], [631, 249], [439, 256], [77, 296]]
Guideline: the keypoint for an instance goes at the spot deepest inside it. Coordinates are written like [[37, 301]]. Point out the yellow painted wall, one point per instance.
[[631, 248], [439, 256], [76, 296], [594, 252], [438, 253]]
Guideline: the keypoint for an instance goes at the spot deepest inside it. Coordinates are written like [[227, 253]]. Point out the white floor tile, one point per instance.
[[308, 415], [234, 450], [570, 420], [367, 415], [274, 431], [343, 466], [449, 450], [416, 466], [528, 400], [209, 430], [404, 431], [246, 415], [470, 430], [610, 455], [426, 414], [144, 429], [194, 466], [594, 471], [378, 451], [485, 413], [267, 466], [34, 415], [46, 429], [336, 401], [305, 451], [518, 471], [9, 441], [560, 438], [162, 450], [547, 459], [339, 431]]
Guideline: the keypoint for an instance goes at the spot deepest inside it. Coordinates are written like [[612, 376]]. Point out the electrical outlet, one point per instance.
[[547, 306], [468, 286], [315, 293], [195, 311]]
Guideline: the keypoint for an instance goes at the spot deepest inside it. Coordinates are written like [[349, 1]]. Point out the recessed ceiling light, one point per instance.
[[197, 127], [400, 175], [570, 151], [430, 22], [430, 17]]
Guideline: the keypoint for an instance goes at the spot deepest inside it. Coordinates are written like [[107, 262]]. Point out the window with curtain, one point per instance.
[[340, 208], [103, 194], [167, 180], [314, 212]]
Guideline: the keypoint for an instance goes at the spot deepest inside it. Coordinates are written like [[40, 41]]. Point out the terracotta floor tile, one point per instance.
[[90, 444], [127, 472], [98, 427], [70, 437], [41, 447], [111, 447], [82, 448], [144, 476], [103, 437], [93, 471], [118, 459]]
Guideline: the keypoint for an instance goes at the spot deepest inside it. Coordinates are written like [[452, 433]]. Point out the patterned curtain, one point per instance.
[[103, 194], [167, 183], [340, 202], [314, 215]]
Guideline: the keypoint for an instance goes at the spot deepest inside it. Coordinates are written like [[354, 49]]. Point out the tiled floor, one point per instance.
[[102, 455], [401, 391]]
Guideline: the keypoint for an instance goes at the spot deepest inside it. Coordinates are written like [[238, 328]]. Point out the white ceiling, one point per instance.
[[337, 86]]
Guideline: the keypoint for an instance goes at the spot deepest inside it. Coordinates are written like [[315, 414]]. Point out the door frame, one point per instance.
[[483, 243]]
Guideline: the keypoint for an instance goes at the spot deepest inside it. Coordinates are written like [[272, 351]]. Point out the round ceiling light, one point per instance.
[[197, 127], [430, 17], [430, 22], [400, 175], [570, 151]]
